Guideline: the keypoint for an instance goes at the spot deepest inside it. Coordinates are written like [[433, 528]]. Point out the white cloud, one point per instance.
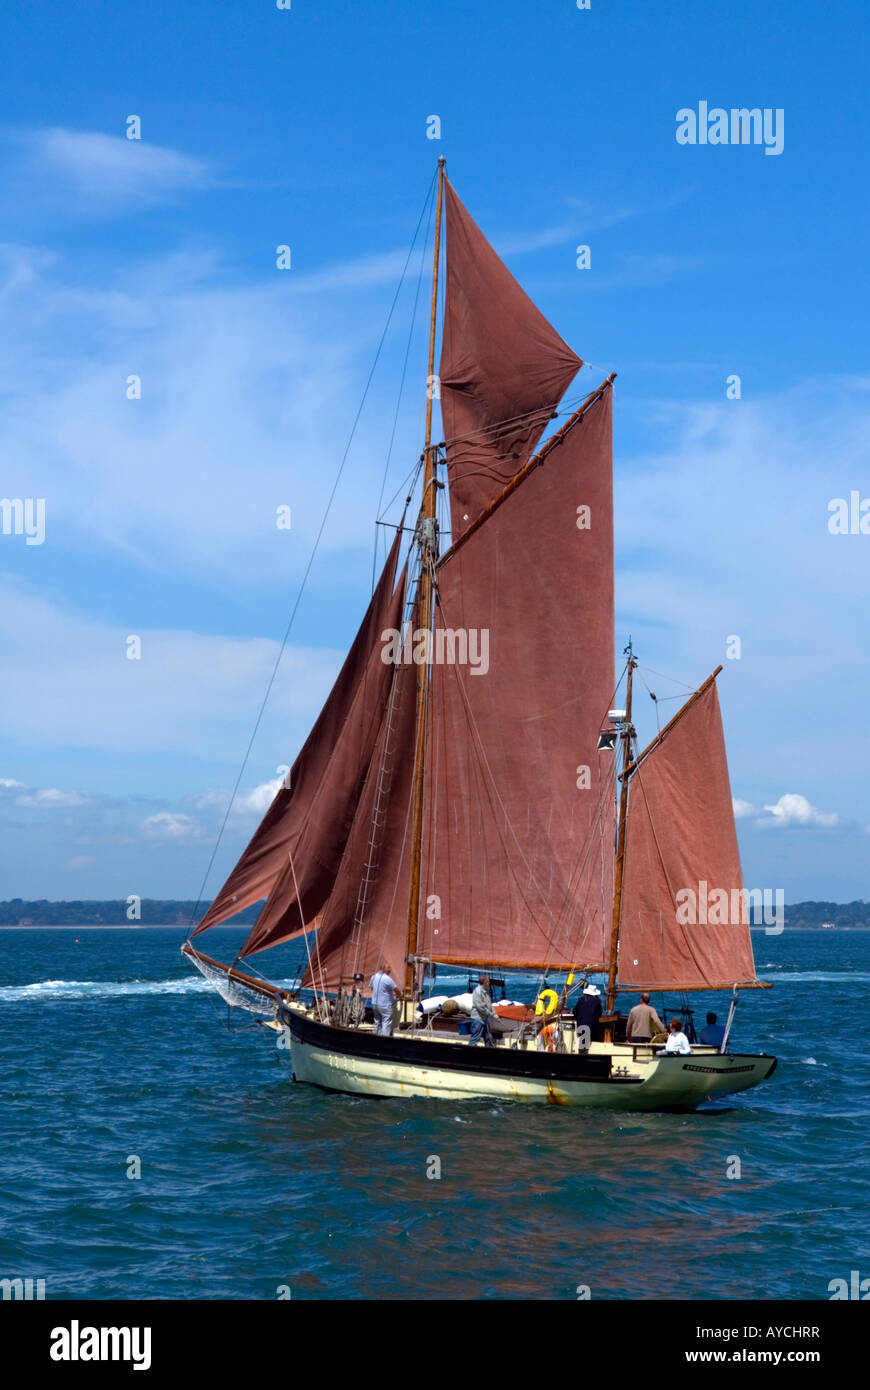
[[258, 801], [742, 809], [254, 802], [49, 797], [10, 782], [110, 171], [170, 825], [793, 809]]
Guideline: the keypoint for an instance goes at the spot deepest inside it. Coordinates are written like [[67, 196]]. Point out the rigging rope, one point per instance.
[[302, 585]]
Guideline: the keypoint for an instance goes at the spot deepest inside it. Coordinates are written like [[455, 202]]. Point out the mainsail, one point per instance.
[[520, 809], [684, 925], [294, 855], [503, 370]]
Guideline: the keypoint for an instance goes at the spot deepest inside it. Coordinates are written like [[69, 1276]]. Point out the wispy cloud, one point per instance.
[[160, 702], [49, 798], [384, 268], [105, 173], [247, 398], [40, 798], [168, 825]]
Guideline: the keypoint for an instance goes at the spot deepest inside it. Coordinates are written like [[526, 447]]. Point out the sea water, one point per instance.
[[154, 1145]]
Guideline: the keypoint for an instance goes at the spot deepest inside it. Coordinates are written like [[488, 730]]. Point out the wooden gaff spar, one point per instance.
[[456, 800]]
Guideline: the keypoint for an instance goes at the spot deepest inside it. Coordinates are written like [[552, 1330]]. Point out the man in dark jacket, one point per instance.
[[587, 1012]]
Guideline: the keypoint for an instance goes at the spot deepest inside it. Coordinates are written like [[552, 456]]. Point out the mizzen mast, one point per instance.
[[428, 543], [627, 732]]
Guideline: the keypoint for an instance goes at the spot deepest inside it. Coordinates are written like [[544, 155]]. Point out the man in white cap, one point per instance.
[[587, 1012]]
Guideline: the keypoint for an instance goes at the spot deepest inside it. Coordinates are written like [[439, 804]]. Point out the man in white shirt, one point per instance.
[[677, 1040], [384, 991]]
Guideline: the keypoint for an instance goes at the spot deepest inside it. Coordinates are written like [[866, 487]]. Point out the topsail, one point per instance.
[[503, 370]]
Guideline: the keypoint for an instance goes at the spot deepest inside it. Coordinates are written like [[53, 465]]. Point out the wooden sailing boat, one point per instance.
[[445, 813]]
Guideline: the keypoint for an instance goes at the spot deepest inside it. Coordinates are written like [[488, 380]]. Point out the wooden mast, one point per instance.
[[620, 847], [423, 611]]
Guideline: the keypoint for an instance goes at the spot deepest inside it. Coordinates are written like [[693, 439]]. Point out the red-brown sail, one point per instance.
[[683, 923], [311, 816], [503, 370], [365, 922], [520, 807]]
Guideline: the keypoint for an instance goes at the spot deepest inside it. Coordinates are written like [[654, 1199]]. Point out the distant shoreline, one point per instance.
[[114, 926], [245, 927]]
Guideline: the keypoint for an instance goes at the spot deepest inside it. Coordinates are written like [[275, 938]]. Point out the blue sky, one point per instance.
[[262, 127]]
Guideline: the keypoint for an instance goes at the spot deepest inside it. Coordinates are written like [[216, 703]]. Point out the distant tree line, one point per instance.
[[809, 915], [154, 912], [166, 912]]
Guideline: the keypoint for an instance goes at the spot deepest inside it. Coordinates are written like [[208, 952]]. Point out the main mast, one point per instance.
[[428, 542], [620, 841]]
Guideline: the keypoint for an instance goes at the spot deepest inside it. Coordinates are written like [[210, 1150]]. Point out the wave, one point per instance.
[[856, 977], [50, 991]]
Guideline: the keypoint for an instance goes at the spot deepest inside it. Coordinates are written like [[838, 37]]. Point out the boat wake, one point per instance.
[[51, 991]]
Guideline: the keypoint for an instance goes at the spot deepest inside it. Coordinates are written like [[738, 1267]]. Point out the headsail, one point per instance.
[[684, 925], [503, 370], [310, 817], [520, 810], [366, 918]]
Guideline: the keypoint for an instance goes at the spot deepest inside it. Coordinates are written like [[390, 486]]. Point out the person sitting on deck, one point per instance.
[[587, 1012], [714, 1034], [482, 1014], [643, 1022], [384, 991], [677, 1040]]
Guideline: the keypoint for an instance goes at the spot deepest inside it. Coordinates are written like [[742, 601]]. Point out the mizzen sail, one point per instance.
[[684, 924]]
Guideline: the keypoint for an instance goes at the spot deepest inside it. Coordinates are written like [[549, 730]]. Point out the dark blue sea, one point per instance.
[[112, 1049]]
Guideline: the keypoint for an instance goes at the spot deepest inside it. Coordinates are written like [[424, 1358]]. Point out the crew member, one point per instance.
[[714, 1033], [482, 1014], [643, 1022], [587, 1012], [384, 991], [677, 1040]]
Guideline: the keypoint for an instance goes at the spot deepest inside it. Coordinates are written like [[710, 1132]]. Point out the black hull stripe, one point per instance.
[[489, 1061]]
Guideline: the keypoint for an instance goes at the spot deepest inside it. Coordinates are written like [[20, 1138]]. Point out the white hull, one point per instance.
[[629, 1079]]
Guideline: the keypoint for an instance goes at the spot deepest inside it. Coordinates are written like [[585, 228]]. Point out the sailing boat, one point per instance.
[[459, 802]]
